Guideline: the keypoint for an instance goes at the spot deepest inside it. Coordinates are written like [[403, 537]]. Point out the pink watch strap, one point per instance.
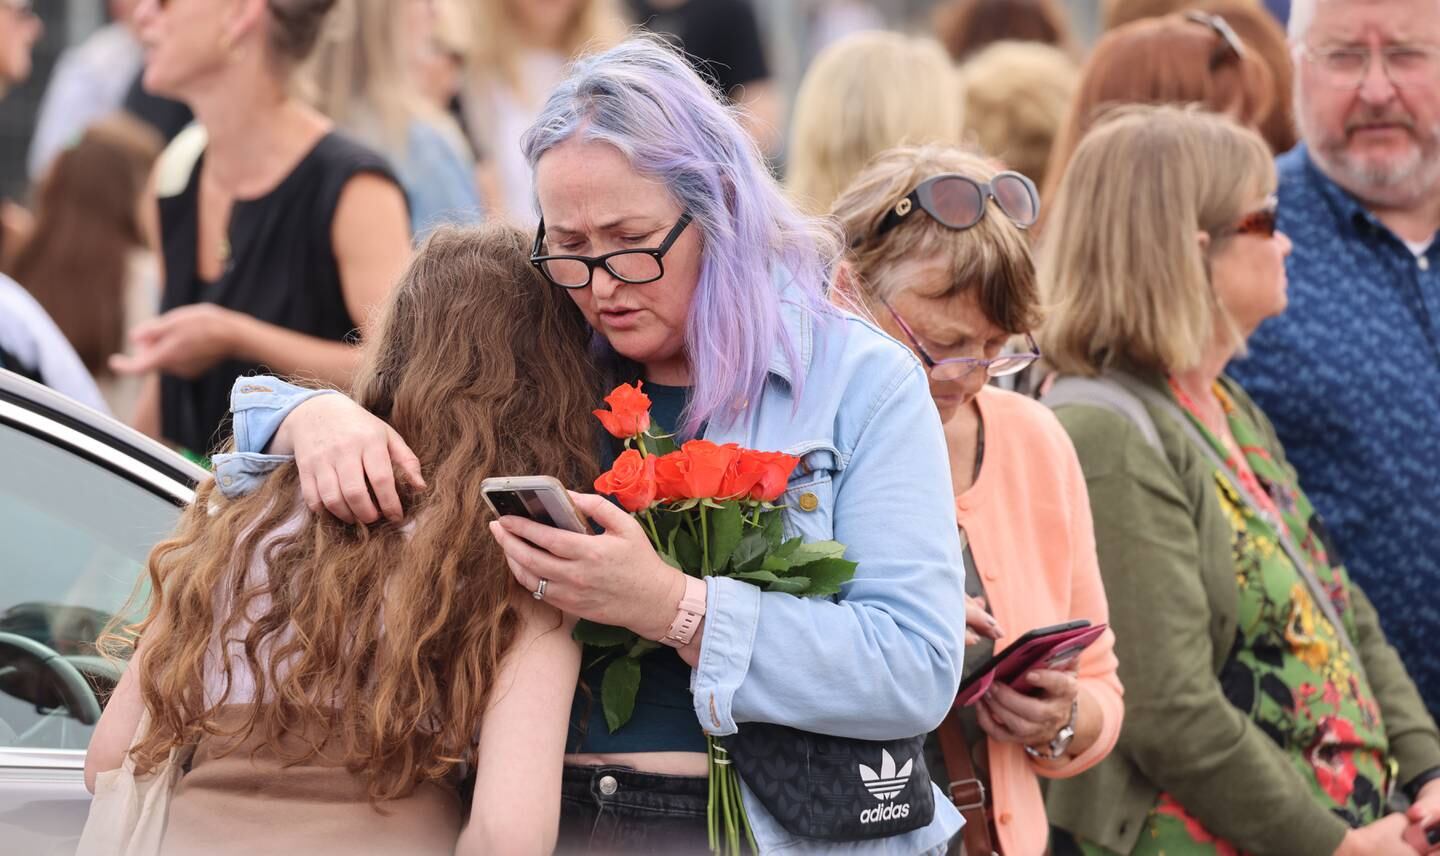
[[687, 617]]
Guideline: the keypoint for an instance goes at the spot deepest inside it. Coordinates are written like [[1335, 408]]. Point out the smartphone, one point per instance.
[[1053, 647], [1424, 839], [542, 499]]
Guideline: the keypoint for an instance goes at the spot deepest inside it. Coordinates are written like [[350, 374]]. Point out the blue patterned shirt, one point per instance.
[[1350, 375]]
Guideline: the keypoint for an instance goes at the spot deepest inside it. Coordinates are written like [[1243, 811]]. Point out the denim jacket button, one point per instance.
[[608, 785], [809, 501], [227, 480]]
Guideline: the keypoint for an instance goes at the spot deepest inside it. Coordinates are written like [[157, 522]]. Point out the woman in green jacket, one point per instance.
[[1260, 717]]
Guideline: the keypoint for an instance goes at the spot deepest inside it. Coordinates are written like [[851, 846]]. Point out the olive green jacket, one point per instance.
[[1164, 548]]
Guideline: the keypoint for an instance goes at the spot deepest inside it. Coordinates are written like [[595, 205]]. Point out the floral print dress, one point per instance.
[[1288, 669]]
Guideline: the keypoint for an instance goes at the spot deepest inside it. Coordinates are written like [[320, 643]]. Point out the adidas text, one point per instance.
[[885, 811]]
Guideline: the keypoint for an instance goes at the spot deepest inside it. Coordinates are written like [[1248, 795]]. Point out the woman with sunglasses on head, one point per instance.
[[1189, 58], [1266, 714], [278, 241], [698, 277], [938, 254]]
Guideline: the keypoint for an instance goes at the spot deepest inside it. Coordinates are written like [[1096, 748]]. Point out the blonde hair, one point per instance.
[[1121, 270], [862, 95], [992, 258], [1016, 95], [360, 74], [496, 42]]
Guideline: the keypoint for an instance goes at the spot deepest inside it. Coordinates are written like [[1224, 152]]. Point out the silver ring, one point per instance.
[[539, 593]]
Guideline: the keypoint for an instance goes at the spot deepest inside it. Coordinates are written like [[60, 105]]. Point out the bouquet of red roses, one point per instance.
[[708, 509]]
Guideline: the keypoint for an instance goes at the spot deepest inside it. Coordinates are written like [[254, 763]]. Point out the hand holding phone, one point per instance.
[[1056, 648], [1424, 835], [539, 498]]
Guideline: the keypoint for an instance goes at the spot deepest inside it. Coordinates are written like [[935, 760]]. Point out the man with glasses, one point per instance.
[[1350, 373]]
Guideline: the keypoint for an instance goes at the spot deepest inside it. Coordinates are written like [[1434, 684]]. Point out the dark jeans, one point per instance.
[[618, 810]]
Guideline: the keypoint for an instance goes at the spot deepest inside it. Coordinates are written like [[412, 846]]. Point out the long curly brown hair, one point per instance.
[[385, 636]]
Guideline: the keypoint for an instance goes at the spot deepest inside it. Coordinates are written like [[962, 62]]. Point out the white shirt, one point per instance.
[[499, 116], [1419, 248], [89, 82], [27, 332]]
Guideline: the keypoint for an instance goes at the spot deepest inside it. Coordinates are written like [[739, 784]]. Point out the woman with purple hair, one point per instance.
[[661, 221]]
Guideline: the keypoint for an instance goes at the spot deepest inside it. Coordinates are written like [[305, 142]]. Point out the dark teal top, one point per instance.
[[664, 718]]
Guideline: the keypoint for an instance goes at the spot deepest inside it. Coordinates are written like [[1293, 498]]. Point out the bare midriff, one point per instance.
[[664, 763]]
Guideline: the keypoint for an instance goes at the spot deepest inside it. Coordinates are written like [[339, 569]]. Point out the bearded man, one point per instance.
[[1350, 373]]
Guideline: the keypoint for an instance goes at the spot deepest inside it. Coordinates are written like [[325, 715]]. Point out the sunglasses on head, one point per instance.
[[1230, 46], [959, 202], [1259, 222]]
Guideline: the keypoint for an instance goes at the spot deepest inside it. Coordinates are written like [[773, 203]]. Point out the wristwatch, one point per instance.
[[1062, 739], [688, 614]]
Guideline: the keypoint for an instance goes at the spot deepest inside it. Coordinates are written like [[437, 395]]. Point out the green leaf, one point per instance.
[[601, 635], [778, 564], [827, 575], [687, 550], [814, 551], [791, 585], [642, 647], [787, 548], [762, 578], [670, 560], [660, 444], [773, 523], [750, 553], [727, 524], [617, 691]]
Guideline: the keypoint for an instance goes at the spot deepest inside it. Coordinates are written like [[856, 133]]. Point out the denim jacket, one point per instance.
[[881, 661]]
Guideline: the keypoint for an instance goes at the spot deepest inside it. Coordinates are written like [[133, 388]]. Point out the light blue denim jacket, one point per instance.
[[880, 662]]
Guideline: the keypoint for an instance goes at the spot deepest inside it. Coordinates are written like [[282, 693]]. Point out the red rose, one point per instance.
[[744, 475], [631, 481], [776, 468], [629, 412], [697, 471]]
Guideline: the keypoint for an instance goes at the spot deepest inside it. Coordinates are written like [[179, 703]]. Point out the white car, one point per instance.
[[82, 500]]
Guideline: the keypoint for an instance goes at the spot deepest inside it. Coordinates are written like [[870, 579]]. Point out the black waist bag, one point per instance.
[[835, 788]]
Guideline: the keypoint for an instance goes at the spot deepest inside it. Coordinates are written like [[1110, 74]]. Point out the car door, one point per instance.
[[82, 501]]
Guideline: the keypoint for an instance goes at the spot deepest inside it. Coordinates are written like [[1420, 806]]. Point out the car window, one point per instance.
[[75, 537]]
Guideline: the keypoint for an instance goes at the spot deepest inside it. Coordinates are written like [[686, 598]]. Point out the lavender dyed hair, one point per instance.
[[643, 98]]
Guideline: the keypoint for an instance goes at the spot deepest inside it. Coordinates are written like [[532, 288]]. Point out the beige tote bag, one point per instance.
[[129, 811]]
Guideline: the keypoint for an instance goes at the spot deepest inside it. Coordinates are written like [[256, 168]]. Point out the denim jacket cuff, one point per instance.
[[242, 473], [260, 403], [732, 612]]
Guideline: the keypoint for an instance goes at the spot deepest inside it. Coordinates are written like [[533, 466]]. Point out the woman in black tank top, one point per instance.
[[278, 235]]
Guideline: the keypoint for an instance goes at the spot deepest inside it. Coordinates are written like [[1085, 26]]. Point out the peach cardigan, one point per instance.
[[1027, 517]]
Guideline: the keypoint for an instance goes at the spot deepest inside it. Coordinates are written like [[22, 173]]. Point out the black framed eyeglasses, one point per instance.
[[636, 267], [959, 202], [959, 368], [1230, 45]]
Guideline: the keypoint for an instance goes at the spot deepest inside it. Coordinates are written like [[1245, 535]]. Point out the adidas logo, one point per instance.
[[889, 782], [885, 786]]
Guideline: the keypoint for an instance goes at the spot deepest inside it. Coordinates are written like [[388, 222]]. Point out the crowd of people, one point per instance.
[[1137, 336]]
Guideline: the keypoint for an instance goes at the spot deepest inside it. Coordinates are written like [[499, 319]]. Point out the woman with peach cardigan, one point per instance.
[[938, 256]]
